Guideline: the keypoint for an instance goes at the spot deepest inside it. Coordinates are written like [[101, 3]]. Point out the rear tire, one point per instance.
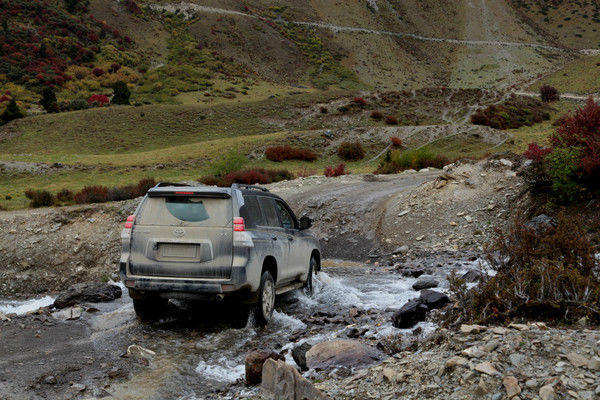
[[308, 286], [149, 309], [266, 299]]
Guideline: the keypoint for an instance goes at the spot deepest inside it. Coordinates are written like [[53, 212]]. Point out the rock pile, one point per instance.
[[520, 361]]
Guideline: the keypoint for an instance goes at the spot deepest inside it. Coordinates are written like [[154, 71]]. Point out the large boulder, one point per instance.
[[342, 353], [410, 314], [542, 224], [87, 293], [299, 355], [425, 283], [254, 364], [432, 299], [281, 381], [471, 276]]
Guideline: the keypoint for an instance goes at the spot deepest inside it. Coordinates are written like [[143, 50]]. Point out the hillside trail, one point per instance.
[[190, 8], [570, 96]]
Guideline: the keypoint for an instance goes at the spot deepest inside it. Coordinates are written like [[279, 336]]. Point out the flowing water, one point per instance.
[[199, 355]]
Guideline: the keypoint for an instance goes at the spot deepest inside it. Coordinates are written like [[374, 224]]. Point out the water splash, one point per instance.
[[25, 306]]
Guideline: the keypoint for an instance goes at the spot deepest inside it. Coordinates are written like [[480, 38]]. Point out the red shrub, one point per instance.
[[133, 7], [378, 115], [479, 118], [251, 176], [582, 130], [391, 120], [92, 194], [98, 71], [143, 186], [351, 151], [360, 101], [549, 94], [337, 171], [114, 68], [281, 153], [396, 141], [98, 99], [4, 98], [536, 153]]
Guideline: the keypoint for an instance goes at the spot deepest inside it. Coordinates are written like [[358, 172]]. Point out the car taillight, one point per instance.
[[130, 221], [238, 224]]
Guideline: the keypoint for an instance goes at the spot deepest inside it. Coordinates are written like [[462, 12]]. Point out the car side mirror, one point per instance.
[[305, 223]]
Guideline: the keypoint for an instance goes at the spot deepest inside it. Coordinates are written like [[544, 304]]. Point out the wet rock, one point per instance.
[[342, 353], [352, 332], [425, 283], [412, 272], [281, 381], [140, 354], [68, 314], [87, 292], [471, 276], [432, 299], [254, 364], [299, 355], [410, 314]]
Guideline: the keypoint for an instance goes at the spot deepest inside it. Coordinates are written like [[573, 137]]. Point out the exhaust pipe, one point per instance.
[[220, 297]]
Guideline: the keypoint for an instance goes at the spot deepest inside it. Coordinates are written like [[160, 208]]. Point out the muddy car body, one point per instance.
[[240, 244]]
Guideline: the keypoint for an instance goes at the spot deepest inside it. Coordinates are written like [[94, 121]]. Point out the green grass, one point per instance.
[[581, 76]]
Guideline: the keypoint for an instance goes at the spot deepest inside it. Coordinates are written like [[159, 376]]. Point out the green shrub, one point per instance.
[[229, 163], [11, 112], [48, 100], [79, 104], [564, 164], [397, 161], [121, 94]]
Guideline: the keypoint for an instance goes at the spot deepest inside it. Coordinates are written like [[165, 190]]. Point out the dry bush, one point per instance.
[[550, 273], [351, 151], [339, 170], [39, 198], [282, 153]]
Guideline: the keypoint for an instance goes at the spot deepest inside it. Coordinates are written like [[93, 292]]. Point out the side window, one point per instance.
[[268, 208], [252, 213], [286, 219]]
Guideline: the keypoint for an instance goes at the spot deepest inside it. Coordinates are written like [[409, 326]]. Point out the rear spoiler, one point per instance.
[[177, 192]]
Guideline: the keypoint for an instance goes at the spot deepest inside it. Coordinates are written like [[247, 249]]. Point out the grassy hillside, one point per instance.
[[574, 24]]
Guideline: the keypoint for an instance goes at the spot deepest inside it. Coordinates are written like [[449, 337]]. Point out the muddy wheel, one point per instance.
[[308, 286], [266, 299], [149, 309]]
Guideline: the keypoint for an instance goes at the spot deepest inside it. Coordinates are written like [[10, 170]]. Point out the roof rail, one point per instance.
[[163, 184], [249, 187]]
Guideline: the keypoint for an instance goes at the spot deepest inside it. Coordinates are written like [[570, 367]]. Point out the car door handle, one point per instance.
[[274, 238]]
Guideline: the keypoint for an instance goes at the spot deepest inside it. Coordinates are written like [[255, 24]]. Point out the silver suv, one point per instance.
[[240, 244]]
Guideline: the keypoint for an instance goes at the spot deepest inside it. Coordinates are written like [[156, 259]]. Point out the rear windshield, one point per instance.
[[181, 211]]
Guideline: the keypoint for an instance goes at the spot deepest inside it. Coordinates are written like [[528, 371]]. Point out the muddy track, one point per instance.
[[348, 211]]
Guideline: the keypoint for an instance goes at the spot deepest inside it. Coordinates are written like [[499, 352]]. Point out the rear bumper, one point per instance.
[[196, 288]]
